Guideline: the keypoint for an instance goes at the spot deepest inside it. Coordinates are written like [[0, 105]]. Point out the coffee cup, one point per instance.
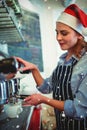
[[13, 110]]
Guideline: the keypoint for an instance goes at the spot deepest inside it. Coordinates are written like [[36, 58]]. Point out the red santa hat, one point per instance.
[[76, 18]]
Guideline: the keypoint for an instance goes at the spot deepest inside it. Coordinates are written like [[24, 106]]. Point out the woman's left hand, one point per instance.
[[34, 99]]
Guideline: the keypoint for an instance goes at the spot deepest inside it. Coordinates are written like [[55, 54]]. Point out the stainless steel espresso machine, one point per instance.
[[9, 91], [12, 113], [8, 88]]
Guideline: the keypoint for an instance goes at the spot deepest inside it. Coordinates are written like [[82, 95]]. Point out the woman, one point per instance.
[[69, 79]]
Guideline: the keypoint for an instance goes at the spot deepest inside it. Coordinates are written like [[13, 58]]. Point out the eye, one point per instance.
[[64, 33]]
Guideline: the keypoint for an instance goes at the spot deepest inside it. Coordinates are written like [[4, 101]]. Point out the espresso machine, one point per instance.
[[9, 91], [8, 88]]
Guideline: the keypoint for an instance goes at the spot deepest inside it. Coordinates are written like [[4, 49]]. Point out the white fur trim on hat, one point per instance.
[[71, 21], [84, 31]]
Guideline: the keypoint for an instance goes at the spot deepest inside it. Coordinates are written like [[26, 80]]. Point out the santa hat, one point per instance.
[[76, 18]]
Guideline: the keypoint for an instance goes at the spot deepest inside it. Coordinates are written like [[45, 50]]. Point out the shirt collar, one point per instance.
[[63, 56]]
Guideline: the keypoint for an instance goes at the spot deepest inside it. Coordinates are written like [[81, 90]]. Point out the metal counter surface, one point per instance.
[[19, 123]]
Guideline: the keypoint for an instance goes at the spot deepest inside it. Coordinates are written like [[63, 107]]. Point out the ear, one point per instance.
[[80, 37]]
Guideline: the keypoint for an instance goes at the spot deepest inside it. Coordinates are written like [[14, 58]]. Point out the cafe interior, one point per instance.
[[27, 30]]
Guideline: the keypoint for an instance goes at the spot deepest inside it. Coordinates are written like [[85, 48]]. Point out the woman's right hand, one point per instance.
[[33, 68], [26, 65]]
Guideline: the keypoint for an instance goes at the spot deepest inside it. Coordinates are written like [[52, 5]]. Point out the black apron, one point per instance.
[[62, 91]]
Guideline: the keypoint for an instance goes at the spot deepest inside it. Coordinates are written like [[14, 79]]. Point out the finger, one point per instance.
[[27, 98], [26, 104]]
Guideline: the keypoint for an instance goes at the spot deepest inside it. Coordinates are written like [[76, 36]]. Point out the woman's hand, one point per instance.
[[26, 65], [33, 68], [34, 99]]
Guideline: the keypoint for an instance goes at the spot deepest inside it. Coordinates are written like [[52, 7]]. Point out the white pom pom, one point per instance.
[[84, 31]]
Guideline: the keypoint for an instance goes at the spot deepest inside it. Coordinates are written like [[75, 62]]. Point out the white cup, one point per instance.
[[13, 110]]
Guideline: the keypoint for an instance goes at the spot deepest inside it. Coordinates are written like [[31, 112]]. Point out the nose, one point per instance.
[[59, 37]]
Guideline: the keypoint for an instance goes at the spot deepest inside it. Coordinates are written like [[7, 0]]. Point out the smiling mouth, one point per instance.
[[61, 44]]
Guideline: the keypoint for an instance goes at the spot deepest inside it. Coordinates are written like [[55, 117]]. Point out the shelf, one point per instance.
[[9, 30]]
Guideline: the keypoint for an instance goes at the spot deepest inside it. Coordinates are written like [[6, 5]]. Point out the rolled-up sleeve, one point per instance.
[[46, 87], [78, 107], [69, 108]]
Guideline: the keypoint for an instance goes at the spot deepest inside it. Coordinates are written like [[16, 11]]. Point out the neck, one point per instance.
[[75, 52]]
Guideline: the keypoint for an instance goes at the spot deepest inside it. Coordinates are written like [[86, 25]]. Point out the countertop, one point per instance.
[[19, 123]]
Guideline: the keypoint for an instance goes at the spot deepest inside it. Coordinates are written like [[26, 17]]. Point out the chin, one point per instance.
[[64, 49]]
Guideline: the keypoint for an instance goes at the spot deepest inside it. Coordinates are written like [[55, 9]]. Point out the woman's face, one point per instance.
[[66, 36]]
